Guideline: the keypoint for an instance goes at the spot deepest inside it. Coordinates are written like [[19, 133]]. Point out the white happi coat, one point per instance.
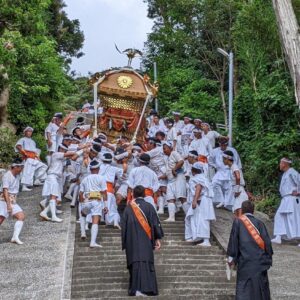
[[197, 221], [145, 177], [202, 146], [186, 134], [53, 184], [156, 128], [12, 184], [221, 179], [52, 129], [287, 218], [92, 183], [110, 173], [157, 163], [33, 168], [236, 202], [212, 136]]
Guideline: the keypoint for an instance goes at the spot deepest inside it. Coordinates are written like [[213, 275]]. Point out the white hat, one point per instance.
[[287, 160], [176, 113]]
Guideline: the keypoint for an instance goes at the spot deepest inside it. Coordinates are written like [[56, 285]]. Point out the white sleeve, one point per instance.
[[103, 185], [155, 184], [130, 180], [5, 181]]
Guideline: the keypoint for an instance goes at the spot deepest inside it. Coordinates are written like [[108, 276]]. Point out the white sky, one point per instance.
[[104, 23]]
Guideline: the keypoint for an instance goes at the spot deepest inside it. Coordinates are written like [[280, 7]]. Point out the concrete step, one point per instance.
[[170, 297], [174, 292], [121, 286], [159, 258], [81, 272], [184, 251], [168, 278]]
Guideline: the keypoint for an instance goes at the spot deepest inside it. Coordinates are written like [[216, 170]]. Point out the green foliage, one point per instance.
[[268, 204], [43, 38], [7, 142]]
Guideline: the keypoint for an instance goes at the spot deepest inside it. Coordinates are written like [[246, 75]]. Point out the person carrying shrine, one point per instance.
[[146, 177], [141, 234], [250, 250], [34, 172], [287, 218]]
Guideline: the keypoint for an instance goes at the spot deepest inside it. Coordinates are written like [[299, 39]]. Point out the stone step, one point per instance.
[[168, 278], [121, 286], [83, 251], [178, 297], [174, 292], [159, 260], [86, 273]]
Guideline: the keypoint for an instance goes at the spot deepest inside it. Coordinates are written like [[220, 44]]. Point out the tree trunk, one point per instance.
[[290, 39], [4, 97]]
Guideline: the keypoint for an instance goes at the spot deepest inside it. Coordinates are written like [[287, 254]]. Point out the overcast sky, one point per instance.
[[104, 23]]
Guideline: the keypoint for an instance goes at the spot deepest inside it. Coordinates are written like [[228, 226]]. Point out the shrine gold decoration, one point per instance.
[[124, 82]]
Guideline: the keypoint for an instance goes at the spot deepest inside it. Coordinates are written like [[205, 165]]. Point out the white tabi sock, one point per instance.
[[52, 205], [75, 195], [172, 210], [71, 188], [17, 230], [82, 226], [161, 204], [43, 203], [94, 233], [185, 207]]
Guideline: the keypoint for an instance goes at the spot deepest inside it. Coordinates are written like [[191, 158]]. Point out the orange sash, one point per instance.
[[253, 231], [150, 193], [29, 154], [202, 159], [110, 187], [141, 218]]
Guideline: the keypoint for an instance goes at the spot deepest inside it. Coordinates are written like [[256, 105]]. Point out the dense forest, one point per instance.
[[38, 42]]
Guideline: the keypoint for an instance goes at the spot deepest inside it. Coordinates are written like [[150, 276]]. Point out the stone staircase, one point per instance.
[[184, 271]]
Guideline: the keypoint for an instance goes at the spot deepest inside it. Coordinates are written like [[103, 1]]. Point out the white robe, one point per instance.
[[197, 221], [33, 168], [287, 218]]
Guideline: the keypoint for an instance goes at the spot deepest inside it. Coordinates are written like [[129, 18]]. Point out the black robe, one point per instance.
[[252, 262], [139, 249]]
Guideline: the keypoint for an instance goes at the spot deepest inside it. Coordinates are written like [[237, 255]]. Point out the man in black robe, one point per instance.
[[248, 255], [140, 243]]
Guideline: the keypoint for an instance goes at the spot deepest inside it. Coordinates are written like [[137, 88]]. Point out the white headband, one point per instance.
[[286, 160], [227, 156], [63, 147], [169, 144], [95, 166], [17, 165], [28, 128], [192, 155]]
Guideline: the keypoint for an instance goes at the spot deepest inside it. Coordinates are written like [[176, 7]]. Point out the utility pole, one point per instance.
[[230, 91]]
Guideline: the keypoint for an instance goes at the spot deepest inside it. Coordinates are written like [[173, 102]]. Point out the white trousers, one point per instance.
[[33, 169]]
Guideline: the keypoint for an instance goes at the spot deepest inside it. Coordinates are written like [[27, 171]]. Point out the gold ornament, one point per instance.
[[125, 82]]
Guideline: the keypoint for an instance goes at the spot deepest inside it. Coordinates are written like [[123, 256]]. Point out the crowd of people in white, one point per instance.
[[179, 166]]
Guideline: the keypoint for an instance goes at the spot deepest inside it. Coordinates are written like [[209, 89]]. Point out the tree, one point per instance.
[[290, 39]]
